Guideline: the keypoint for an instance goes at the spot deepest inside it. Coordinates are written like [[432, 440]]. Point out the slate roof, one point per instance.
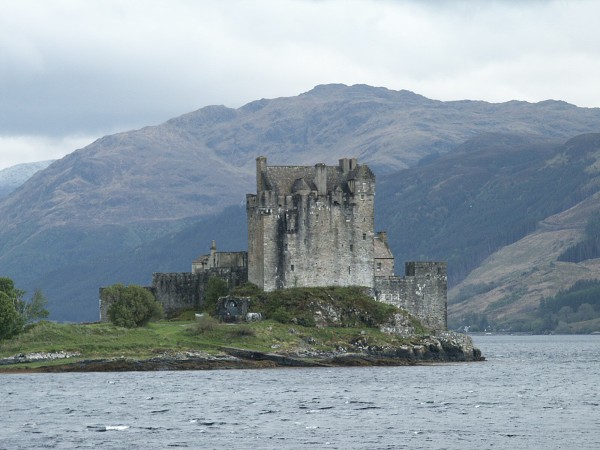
[[290, 179]]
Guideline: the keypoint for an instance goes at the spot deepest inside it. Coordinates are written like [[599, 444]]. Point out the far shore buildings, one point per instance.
[[313, 226]]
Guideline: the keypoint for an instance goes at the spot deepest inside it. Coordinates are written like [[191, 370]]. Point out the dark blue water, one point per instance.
[[534, 392]]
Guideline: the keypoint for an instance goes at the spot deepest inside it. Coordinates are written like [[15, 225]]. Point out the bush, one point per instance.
[[133, 306], [241, 332], [204, 324], [281, 315], [337, 306]]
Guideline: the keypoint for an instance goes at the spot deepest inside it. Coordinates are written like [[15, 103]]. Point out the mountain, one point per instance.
[[508, 287], [145, 200], [489, 192], [14, 176]]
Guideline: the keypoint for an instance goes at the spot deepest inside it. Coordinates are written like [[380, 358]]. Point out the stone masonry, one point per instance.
[[314, 226], [311, 226]]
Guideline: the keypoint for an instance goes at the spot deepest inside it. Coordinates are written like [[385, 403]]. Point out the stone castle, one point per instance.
[[312, 226]]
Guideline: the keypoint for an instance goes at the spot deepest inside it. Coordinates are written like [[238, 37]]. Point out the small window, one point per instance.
[[378, 266], [351, 247], [348, 270], [292, 267], [362, 196], [285, 247], [364, 236]]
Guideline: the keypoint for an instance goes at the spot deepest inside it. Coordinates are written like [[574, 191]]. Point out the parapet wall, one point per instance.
[[422, 292]]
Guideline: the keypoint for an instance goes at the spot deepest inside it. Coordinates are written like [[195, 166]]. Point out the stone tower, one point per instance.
[[311, 226]]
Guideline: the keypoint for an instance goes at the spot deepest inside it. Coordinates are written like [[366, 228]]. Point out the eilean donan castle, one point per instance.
[[313, 226]]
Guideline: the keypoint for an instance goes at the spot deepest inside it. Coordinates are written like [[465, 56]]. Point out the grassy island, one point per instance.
[[303, 327]]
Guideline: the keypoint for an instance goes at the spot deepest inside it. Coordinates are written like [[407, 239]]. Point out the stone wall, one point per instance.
[[316, 231], [180, 291], [422, 292]]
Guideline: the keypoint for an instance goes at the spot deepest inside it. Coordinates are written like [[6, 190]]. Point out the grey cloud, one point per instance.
[[89, 67]]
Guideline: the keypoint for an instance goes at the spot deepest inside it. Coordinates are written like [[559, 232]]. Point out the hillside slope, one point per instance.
[[69, 226], [13, 177], [508, 286]]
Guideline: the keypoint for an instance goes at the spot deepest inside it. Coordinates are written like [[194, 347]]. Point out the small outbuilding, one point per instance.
[[233, 309]]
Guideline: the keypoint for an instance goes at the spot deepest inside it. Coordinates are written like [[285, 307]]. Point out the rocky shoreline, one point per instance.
[[446, 347]]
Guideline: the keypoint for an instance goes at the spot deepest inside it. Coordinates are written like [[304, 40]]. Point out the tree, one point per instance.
[[216, 287], [133, 306], [35, 309], [11, 322], [8, 287], [16, 312]]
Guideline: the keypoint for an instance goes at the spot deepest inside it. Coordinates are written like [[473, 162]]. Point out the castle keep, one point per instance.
[[313, 226]]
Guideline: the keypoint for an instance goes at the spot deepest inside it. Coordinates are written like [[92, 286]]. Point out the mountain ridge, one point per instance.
[[14, 176], [65, 226]]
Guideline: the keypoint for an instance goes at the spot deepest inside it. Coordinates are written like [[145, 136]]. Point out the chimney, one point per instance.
[[261, 168], [345, 165], [213, 254], [321, 178], [382, 235]]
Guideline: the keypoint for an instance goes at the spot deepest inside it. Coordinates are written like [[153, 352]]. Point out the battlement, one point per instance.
[[422, 291]]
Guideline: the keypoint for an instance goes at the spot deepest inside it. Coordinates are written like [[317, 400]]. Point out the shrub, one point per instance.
[[204, 324], [337, 306], [133, 306], [242, 331], [281, 315]]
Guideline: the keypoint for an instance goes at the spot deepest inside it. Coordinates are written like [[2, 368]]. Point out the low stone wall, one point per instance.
[[180, 291]]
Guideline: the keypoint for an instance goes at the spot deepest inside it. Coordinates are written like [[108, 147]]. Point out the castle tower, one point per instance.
[[311, 226]]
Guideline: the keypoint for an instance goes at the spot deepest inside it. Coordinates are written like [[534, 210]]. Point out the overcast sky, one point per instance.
[[73, 71]]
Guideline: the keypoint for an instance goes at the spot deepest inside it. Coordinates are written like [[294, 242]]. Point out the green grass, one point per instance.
[[352, 306], [103, 340], [349, 319]]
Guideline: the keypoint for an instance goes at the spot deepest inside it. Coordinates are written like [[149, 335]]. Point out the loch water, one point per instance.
[[534, 392]]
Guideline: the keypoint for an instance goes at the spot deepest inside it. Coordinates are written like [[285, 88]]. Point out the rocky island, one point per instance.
[[321, 327], [316, 271]]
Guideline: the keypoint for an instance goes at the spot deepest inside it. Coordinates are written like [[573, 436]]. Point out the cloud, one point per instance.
[[87, 68], [23, 149]]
